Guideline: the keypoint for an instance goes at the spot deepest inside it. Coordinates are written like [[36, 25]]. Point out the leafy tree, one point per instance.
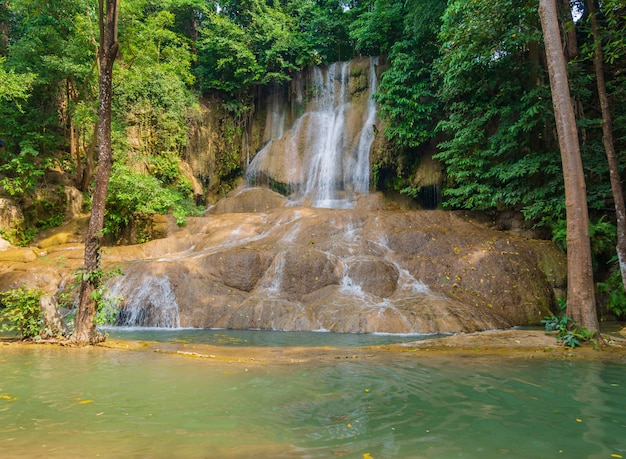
[[408, 94], [15, 87], [153, 101], [56, 42], [375, 30], [498, 153], [324, 26]]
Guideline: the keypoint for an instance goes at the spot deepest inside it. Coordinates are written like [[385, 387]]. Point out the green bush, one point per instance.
[[613, 289], [20, 312], [133, 196], [568, 332]]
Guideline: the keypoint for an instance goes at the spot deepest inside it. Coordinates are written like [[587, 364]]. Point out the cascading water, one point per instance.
[[324, 157], [326, 140], [261, 263], [148, 300], [360, 170]]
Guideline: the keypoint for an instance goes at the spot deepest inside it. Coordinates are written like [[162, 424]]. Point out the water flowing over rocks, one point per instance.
[[343, 260], [303, 268]]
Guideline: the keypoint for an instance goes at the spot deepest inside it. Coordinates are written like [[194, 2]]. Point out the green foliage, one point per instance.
[[107, 306], [15, 86], [497, 111], [19, 173], [133, 195], [246, 45], [408, 94], [20, 311], [153, 98], [568, 332], [602, 234], [612, 289], [378, 28], [322, 29]]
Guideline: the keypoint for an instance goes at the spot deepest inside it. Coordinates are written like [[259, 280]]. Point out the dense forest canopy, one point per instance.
[[463, 82]]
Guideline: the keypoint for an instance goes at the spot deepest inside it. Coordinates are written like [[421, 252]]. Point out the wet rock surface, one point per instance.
[[302, 268]]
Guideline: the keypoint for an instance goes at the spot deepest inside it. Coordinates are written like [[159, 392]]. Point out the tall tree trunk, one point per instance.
[[86, 331], [4, 28], [607, 139], [581, 304], [569, 31]]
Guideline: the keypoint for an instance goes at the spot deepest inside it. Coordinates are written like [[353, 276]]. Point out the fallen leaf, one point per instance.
[[84, 402]]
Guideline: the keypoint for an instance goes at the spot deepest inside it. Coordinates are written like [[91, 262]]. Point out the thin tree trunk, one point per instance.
[[87, 171], [607, 139], [86, 331], [581, 304], [569, 31]]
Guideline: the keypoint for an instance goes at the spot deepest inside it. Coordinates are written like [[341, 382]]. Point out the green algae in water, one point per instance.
[[104, 403]]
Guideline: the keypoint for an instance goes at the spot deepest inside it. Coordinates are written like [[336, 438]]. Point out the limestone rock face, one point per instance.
[[304, 271], [242, 269], [300, 268], [11, 217], [249, 200], [374, 276]]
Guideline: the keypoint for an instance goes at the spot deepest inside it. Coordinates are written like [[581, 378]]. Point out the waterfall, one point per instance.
[[324, 157], [326, 141], [149, 301], [361, 170]]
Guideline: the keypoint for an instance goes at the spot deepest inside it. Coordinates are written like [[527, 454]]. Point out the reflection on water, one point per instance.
[[116, 404]]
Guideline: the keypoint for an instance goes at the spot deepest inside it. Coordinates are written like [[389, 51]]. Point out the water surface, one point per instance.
[[260, 337], [70, 403]]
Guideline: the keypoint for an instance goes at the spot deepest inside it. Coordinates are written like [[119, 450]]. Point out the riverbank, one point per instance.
[[499, 344]]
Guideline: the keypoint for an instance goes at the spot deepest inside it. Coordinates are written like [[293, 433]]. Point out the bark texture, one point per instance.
[[607, 139], [86, 331], [581, 305]]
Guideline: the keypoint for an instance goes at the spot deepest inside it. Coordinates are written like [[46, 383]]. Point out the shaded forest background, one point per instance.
[[463, 95]]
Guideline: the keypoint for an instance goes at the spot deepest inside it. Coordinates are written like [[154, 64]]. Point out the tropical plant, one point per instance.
[[569, 333], [20, 312]]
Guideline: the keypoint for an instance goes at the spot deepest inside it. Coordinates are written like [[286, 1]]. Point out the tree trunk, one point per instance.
[[86, 331], [581, 305], [569, 31], [607, 139], [87, 171]]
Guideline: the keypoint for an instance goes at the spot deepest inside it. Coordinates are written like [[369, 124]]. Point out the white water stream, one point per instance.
[[324, 157]]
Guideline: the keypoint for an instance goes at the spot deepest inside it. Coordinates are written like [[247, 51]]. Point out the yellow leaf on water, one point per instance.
[[579, 420], [5, 396], [616, 455], [367, 456], [84, 402]]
